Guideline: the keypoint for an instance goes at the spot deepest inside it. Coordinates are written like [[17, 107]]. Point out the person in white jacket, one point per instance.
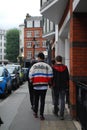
[[40, 75]]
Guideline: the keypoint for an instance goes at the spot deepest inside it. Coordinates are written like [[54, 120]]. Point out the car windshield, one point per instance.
[[18, 67], [1, 71], [10, 70]]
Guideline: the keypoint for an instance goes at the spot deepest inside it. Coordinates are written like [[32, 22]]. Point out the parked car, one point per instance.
[[18, 68], [5, 81], [21, 75], [15, 77]]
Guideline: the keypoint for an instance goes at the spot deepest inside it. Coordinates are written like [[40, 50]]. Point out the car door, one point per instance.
[[8, 80]]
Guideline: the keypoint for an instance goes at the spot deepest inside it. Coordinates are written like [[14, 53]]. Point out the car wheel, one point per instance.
[[15, 85], [6, 91], [18, 83], [9, 91]]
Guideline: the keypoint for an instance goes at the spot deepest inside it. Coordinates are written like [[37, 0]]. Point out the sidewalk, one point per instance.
[[21, 116], [54, 123]]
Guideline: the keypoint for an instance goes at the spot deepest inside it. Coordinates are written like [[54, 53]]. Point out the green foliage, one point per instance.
[[12, 45]]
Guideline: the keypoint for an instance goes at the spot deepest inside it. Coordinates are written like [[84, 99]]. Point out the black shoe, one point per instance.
[[61, 117], [35, 115], [32, 107], [1, 122], [55, 113], [42, 117]]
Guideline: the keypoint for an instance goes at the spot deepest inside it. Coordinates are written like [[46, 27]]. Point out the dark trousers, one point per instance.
[[59, 101], [31, 92], [39, 95], [53, 98]]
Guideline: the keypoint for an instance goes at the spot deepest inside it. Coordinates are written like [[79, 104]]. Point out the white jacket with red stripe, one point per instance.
[[40, 74]]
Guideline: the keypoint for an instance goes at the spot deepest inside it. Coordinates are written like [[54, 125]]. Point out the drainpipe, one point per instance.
[[49, 52], [56, 39]]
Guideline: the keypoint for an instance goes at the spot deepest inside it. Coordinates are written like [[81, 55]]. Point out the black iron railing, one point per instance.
[[81, 104]]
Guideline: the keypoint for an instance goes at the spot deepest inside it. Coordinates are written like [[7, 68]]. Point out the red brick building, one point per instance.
[[31, 41]]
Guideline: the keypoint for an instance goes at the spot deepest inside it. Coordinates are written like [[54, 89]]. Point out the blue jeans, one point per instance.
[[59, 102]]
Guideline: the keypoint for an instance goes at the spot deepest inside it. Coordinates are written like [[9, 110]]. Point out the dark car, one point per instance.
[[25, 71], [15, 77], [19, 70], [5, 81]]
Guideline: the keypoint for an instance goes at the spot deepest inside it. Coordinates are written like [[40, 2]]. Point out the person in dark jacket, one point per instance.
[[1, 122], [52, 91], [30, 85], [60, 83]]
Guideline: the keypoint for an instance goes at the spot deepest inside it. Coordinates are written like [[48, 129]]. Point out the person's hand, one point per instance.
[[50, 86]]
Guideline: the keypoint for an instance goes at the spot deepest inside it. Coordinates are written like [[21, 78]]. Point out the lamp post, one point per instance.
[[49, 52], [34, 47]]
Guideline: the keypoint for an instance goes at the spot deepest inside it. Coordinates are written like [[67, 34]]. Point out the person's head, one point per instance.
[[58, 58], [52, 62], [33, 62], [41, 56]]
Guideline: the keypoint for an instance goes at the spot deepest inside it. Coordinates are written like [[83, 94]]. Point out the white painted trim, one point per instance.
[[56, 32], [52, 33], [48, 6], [75, 3], [64, 24], [53, 46]]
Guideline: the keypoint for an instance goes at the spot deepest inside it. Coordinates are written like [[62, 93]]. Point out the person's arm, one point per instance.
[[31, 72], [50, 71], [28, 74]]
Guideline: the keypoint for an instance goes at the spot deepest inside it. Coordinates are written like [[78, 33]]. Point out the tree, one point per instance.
[[12, 45]]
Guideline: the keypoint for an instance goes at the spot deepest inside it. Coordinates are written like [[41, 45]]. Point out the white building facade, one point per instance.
[[2, 46]]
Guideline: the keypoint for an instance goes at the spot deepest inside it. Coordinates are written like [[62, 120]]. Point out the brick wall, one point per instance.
[[78, 54]]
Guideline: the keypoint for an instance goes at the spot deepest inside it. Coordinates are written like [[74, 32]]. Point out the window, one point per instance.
[[29, 24], [0, 57], [6, 73], [0, 36], [44, 26], [44, 44], [43, 2], [47, 25], [51, 26], [37, 44], [36, 33], [37, 23], [0, 43], [4, 44], [29, 55], [5, 50], [29, 34], [21, 50], [4, 37], [20, 42], [4, 56], [29, 44], [0, 50], [36, 53]]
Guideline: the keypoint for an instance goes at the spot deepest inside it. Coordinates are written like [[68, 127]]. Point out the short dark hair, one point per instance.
[[33, 62], [53, 61], [58, 58], [41, 56]]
